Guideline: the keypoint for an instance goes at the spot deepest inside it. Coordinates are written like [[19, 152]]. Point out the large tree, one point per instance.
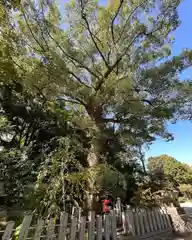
[[106, 71]]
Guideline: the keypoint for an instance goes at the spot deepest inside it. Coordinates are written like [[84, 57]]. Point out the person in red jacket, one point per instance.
[[107, 204]]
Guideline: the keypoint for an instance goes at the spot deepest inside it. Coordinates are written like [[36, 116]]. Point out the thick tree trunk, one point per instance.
[[91, 201], [93, 157]]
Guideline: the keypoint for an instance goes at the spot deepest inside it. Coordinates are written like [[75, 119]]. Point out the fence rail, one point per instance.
[[134, 224]]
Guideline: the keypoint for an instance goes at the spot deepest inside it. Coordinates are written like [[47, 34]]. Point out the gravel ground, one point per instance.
[[177, 238]]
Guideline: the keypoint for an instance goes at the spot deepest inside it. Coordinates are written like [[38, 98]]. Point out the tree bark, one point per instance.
[[93, 157]]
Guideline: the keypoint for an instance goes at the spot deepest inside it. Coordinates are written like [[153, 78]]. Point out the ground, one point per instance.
[[188, 209]]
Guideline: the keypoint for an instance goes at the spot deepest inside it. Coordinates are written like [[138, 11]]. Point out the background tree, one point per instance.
[[186, 190], [172, 169]]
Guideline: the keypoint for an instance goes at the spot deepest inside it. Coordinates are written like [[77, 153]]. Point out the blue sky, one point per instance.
[[181, 147]]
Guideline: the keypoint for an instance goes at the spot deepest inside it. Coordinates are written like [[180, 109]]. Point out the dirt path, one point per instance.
[[177, 238], [188, 210], [187, 207]]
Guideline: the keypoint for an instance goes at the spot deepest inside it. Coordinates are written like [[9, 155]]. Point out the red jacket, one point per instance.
[[105, 205]]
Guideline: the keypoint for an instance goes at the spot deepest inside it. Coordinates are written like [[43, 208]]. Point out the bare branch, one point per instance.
[[23, 10], [74, 98], [17, 63], [40, 92], [84, 17], [127, 48], [112, 120], [113, 20], [94, 34], [79, 79], [58, 45], [91, 57], [128, 19], [67, 100], [111, 68], [72, 58], [147, 101]]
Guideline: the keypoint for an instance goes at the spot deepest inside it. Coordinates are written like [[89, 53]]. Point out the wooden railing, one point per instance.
[[134, 224]]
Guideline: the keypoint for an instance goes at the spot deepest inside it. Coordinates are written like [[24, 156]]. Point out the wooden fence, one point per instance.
[[134, 224]]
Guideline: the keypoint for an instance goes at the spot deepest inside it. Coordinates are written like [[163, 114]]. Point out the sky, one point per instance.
[[181, 147]]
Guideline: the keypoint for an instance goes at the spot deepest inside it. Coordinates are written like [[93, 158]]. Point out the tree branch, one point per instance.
[[58, 45], [111, 68], [44, 50], [73, 98], [91, 57], [113, 20], [67, 100], [113, 120], [79, 79], [72, 58], [128, 19], [84, 17]]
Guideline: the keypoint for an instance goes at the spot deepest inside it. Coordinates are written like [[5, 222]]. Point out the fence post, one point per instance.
[[114, 226], [63, 225], [119, 210], [50, 229], [150, 220], [107, 227], [168, 218], [137, 223], [141, 222], [146, 221], [165, 217], [25, 227], [124, 222], [130, 222], [99, 228], [79, 217], [82, 228], [157, 219], [91, 226], [160, 218], [154, 220], [73, 229], [8, 231], [38, 229]]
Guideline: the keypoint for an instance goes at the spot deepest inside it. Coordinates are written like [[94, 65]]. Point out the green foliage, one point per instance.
[[171, 176], [63, 175], [147, 198], [154, 190], [17, 173], [186, 190], [173, 170]]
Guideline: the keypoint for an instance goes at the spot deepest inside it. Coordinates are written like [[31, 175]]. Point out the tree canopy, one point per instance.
[[83, 88], [171, 168]]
